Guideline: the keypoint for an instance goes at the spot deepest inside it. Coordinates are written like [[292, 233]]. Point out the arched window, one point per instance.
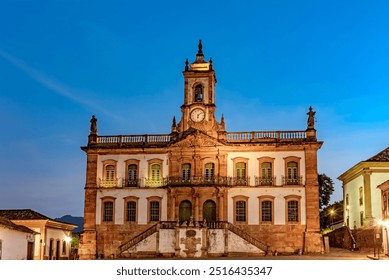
[[132, 172], [209, 211], [109, 174], [186, 171], [209, 173], [155, 175], [292, 176], [198, 93], [185, 211], [241, 170], [267, 174]]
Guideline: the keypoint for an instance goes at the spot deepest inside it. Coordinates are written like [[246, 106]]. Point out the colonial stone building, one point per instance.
[[200, 191]]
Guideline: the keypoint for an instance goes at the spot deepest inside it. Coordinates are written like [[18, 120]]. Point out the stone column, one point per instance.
[[88, 244], [367, 194], [312, 236], [221, 205]]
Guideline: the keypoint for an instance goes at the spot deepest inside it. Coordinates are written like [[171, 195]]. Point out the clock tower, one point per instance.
[[198, 110]]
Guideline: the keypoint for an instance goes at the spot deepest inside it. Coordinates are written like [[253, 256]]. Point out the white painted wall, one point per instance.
[[57, 234], [121, 194], [352, 189], [376, 199], [14, 244], [237, 244], [279, 203], [168, 238], [216, 241]]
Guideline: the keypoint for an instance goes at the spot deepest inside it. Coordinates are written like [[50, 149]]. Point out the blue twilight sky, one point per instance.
[[62, 61]]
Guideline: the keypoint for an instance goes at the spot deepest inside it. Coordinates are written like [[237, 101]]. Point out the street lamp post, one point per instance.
[[332, 218]]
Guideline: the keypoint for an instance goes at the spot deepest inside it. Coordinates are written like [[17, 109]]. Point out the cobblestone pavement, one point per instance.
[[334, 254]]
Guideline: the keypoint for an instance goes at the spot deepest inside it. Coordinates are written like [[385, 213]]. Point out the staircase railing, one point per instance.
[[243, 234], [143, 235]]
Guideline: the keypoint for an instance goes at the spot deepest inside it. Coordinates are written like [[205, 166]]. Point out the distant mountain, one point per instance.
[[79, 221]]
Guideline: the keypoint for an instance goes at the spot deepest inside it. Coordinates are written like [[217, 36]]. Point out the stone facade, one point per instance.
[[201, 191]]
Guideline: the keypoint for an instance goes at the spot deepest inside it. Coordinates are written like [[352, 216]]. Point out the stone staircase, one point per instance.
[[138, 238], [171, 225]]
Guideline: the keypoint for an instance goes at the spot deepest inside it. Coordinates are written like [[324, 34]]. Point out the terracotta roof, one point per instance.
[[382, 156], [10, 225], [23, 214]]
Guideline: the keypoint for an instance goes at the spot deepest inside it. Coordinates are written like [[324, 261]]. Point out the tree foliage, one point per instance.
[[326, 188]]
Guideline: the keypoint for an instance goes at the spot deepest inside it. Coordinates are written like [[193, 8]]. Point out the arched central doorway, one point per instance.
[[209, 211], [185, 211]]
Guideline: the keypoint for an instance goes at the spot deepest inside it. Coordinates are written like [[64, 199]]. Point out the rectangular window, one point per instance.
[[64, 247], [293, 211], [108, 211], [266, 211], [240, 211], [360, 196], [361, 218], [131, 211], [154, 211]]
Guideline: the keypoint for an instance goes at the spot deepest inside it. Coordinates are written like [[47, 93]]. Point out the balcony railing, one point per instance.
[[130, 139], [131, 183], [293, 181], [197, 181], [265, 135], [254, 136], [265, 181], [108, 183]]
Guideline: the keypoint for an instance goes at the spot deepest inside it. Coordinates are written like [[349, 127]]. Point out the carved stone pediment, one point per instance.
[[196, 138]]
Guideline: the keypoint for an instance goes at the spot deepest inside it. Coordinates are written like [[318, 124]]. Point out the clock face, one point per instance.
[[197, 115]]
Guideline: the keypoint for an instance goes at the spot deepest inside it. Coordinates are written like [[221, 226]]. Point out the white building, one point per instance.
[[51, 241], [362, 197], [16, 241]]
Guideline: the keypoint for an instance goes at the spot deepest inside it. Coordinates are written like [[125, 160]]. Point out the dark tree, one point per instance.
[[326, 188]]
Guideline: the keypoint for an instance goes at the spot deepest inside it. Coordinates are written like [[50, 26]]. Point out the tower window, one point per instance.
[[198, 93]]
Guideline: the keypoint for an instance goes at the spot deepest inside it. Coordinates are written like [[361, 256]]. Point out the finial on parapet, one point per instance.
[[186, 65], [210, 63], [200, 51], [222, 134], [174, 125]]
